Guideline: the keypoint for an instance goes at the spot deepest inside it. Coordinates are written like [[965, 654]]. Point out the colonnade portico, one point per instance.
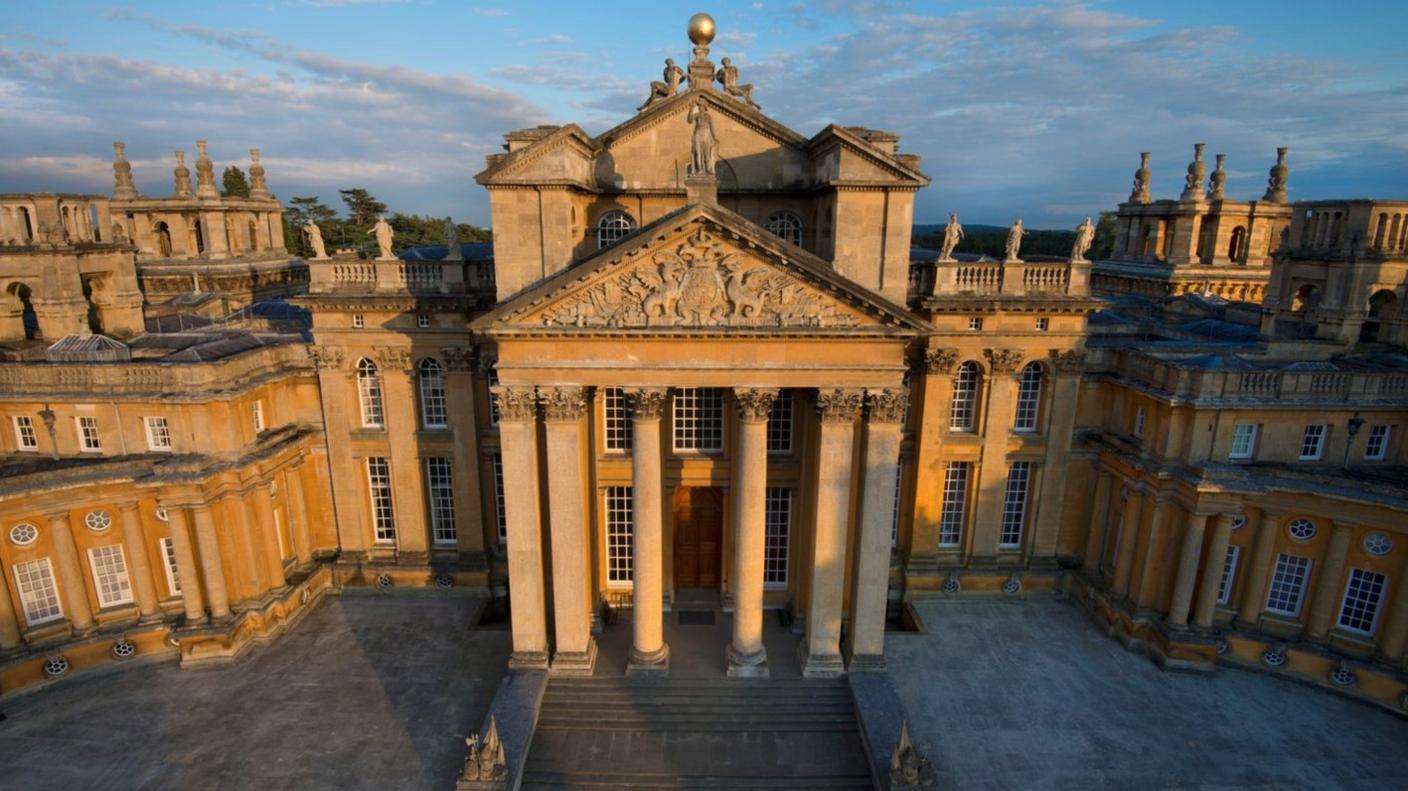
[[570, 648]]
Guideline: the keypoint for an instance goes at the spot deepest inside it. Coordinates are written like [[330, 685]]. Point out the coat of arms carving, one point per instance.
[[699, 283]]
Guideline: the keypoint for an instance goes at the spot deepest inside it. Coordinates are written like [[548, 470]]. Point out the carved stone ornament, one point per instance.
[[515, 403], [1072, 360], [458, 359], [887, 406], [562, 404], [485, 761], [940, 361], [697, 284], [327, 357], [1003, 360], [838, 406], [393, 358], [646, 403], [753, 404], [908, 769]]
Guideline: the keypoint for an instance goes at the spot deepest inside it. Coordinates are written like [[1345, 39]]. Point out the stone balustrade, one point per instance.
[[154, 378], [996, 278], [344, 275], [1201, 384]]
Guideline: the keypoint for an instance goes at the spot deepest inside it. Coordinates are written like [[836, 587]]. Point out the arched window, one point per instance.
[[612, 227], [1028, 398], [1234, 245], [432, 395], [964, 408], [1306, 297], [369, 393], [786, 225], [1380, 230], [163, 239]]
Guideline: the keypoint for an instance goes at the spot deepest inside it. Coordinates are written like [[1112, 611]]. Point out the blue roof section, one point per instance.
[[472, 251], [1219, 330]]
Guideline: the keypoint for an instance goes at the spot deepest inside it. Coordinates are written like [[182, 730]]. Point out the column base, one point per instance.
[[754, 665], [866, 663], [147, 618], [821, 665], [528, 660], [656, 663], [575, 663]]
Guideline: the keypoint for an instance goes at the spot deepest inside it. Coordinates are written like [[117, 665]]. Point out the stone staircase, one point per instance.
[[598, 733]]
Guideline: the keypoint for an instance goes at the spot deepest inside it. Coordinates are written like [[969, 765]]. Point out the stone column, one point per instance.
[[299, 524], [1129, 537], [563, 409], [1254, 587], [80, 612], [518, 442], [139, 567], [241, 530], [9, 622], [1213, 564], [1099, 516], [884, 426], [1188, 558], [267, 543], [1329, 587], [838, 410], [1144, 588], [1395, 632], [649, 653], [746, 655], [212, 569], [186, 569]]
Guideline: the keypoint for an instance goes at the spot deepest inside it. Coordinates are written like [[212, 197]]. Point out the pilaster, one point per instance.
[[1329, 585], [71, 576], [186, 568], [518, 439], [139, 567], [1187, 574], [212, 569], [1130, 518], [1254, 587], [884, 426], [929, 464], [992, 472], [838, 412], [412, 538]]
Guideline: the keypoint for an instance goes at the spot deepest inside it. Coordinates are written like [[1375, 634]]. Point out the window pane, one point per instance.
[[441, 494], [1014, 507], [24, 433], [1361, 600], [619, 530], [698, 419], [110, 575], [432, 395], [1243, 441], [1376, 447], [955, 504], [617, 419], [369, 392], [1028, 398], [965, 397], [1287, 584], [500, 519], [780, 423], [383, 514], [173, 574], [1312, 442], [1229, 570], [38, 595], [777, 520]]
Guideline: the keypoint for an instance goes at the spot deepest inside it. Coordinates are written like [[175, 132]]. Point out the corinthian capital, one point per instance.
[[1003, 361], [838, 406], [754, 404], [394, 358], [327, 357], [647, 403], [886, 406], [1068, 361], [940, 361], [562, 404], [458, 359], [516, 404]]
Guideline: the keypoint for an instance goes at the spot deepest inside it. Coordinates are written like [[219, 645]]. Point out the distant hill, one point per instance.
[[926, 229]]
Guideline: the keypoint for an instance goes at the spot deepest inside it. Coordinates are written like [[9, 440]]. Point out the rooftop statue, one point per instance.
[[674, 75], [452, 241], [1085, 235], [1014, 242], [1140, 193], [315, 239], [384, 234], [703, 143], [728, 77], [953, 234], [1276, 183], [1193, 184], [122, 172]]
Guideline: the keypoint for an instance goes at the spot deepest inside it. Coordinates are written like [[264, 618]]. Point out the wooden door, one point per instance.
[[699, 528]]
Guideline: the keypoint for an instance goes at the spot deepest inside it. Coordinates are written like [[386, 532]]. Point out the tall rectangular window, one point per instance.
[[38, 594], [1360, 608], [698, 419], [500, 516], [25, 438], [441, 494], [88, 439], [780, 423], [383, 512], [1229, 573], [1014, 505], [1139, 414], [895, 507], [617, 417], [158, 434], [1243, 441], [433, 413], [173, 574], [491, 378], [777, 525], [953, 512], [1312, 444], [259, 425], [1376, 447], [618, 534], [110, 575], [1288, 584]]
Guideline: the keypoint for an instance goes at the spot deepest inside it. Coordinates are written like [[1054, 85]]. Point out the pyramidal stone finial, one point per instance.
[[205, 173], [1193, 184], [1217, 182], [183, 175], [258, 187], [122, 186]]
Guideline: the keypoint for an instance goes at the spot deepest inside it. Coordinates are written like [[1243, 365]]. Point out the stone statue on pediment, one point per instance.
[[452, 241], [703, 143], [670, 86], [1085, 236], [953, 234], [727, 76], [315, 239], [384, 234], [1014, 242]]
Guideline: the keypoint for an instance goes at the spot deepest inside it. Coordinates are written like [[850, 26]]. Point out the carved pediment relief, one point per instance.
[[697, 280]]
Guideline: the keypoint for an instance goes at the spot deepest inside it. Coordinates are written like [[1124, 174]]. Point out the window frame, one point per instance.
[[496, 472], [953, 508], [779, 433], [83, 437], [173, 571], [1321, 440], [1379, 583], [965, 401], [369, 395], [379, 489], [1140, 415], [617, 435], [258, 411], [609, 230], [26, 438], [440, 500], [618, 522], [1014, 511], [777, 537], [1228, 578], [1250, 452], [697, 420], [156, 426], [786, 226], [1026, 418], [121, 576], [1377, 442], [1303, 566], [27, 592], [430, 388]]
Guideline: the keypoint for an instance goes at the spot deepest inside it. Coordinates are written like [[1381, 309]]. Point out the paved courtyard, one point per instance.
[[377, 690]]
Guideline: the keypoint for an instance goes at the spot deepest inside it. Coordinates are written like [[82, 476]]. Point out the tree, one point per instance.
[[1103, 245], [235, 184], [362, 208]]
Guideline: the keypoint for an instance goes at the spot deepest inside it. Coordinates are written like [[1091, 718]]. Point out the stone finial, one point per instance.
[[1276, 183], [205, 173], [1217, 182], [1193, 184], [122, 186], [485, 761], [183, 175], [1140, 193], [701, 69], [909, 769], [258, 187]]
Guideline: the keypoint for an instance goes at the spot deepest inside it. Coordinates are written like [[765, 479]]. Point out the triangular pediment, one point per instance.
[[701, 269]]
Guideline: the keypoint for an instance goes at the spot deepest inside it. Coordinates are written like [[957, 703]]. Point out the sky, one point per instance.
[[1034, 110]]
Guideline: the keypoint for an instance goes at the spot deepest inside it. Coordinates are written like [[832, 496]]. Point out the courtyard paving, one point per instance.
[[378, 690]]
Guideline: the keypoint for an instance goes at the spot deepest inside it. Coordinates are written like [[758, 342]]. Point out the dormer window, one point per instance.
[[786, 225], [612, 227]]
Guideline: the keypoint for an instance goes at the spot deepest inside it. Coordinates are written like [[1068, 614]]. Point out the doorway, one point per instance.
[[699, 528]]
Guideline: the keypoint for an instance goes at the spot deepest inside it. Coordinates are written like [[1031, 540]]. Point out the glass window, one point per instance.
[[1312, 444], [618, 420], [369, 393], [786, 225], [38, 594], [110, 575], [1043, 324], [88, 439], [895, 509], [25, 437], [158, 433], [258, 416], [491, 378], [1229, 571], [98, 521], [1360, 608], [1014, 505], [963, 409], [173, 574], [1301, 529], [780, 423], [612, 227], [383, 512], [1028, 397], [432, 395], [441, 493], [777, 521], [1288, 584], [1243, 441], [975, 323], [423, 321], [24, 534], [618, 534], [1376, 447], [698, 419], [500, 515], [953, 513], [358, 321]]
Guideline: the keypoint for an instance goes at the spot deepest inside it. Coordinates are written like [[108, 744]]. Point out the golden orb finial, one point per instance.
[[701, 29]]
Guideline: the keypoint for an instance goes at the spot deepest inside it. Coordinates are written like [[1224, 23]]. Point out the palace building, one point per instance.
[[704, 365]]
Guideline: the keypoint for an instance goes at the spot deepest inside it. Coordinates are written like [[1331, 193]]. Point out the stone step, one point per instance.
[[552, 781], [799, 724], [555, 699]]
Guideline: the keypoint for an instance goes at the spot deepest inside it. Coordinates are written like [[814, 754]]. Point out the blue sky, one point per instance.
[[1037, 110]]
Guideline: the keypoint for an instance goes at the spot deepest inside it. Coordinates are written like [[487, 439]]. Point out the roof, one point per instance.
[[472, 251], [87, 349]]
